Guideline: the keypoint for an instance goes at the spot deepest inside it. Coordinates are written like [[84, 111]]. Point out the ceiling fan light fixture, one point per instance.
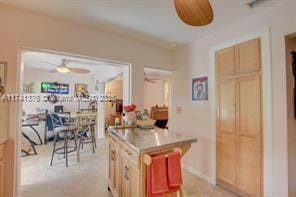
[[63, 69]]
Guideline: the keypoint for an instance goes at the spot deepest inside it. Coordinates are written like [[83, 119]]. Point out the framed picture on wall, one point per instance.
[[200, 89], [3, 67], [81, 89]]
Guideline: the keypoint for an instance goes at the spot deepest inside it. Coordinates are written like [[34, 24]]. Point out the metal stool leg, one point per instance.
[[54, 147], [93, 140], [66, 148], [65, 145], [77, 147]]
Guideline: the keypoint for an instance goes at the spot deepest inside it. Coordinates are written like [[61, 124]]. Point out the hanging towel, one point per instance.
[[174, 171], [157, 181]]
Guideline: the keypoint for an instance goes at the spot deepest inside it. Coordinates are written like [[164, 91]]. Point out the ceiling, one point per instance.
[[102, 70], [150, 20]]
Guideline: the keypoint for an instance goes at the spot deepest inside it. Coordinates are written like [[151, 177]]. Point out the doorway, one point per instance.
[[52, 82], [291, 110], [157, 94]]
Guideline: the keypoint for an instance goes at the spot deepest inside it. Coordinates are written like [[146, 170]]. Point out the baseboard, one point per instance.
[[196, 173]]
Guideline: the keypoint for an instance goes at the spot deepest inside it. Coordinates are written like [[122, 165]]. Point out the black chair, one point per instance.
[[63, 131]]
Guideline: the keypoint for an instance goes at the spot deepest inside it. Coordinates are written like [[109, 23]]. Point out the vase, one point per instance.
[[130, 118]]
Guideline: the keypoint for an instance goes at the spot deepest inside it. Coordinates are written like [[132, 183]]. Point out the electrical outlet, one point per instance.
[[179, 110]]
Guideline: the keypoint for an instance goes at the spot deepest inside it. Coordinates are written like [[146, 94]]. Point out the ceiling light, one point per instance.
[[63, 69]]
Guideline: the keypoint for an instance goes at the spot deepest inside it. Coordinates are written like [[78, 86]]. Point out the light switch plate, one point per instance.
[[179, 110]]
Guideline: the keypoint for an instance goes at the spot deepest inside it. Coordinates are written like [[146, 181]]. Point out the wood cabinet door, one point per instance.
[[226, 132], [111, 166], [248, 56], [129, 178], [249, 135], [117, 172], [114, 169], [125, 182], [225, 62], [3, 121], [134, 180]]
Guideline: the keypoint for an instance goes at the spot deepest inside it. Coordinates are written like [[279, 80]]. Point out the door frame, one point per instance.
[[19, 82], [264, 36]]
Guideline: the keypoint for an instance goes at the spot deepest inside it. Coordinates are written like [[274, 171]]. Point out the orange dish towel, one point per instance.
[[157, 180], [174, 171]]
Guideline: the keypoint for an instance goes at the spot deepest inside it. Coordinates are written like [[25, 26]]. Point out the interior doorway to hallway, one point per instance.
[[157, 95]]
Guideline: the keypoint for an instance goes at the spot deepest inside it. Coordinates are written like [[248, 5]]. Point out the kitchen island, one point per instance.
[[127, 149]]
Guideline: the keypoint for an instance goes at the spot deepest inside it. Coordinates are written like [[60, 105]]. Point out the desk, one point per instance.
[[31, 124]]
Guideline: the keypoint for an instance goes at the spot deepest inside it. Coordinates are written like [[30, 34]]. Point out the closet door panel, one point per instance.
[[225, 61], [249, 169], [249, 166], [226, 111], [249, 102], [248, 58], [226, 137]]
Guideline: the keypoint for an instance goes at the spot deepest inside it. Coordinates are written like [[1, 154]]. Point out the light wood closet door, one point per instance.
[[226, 135], [225, 62], [248, 58], [239, 118], [249, 135]]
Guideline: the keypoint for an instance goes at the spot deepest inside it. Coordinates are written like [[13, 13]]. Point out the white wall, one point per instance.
[[20, 28], [39, 75], [153, 94], [193, 60]]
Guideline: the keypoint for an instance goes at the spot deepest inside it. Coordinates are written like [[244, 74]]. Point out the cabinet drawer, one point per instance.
[[1, 151], [130, 154]]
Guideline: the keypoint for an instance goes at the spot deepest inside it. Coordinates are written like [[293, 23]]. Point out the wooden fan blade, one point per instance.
[[150, 81], [195, 12], [80, 70], [53, 71]]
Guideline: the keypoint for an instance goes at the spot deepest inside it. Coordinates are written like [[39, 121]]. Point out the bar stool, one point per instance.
[[87, 134], [65, 132]]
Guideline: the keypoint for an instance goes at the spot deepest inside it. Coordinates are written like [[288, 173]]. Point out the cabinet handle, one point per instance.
[[113, 155], [129, 153], [126, 170]]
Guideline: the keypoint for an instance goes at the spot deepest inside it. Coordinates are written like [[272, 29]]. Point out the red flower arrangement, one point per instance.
[[130, 108]]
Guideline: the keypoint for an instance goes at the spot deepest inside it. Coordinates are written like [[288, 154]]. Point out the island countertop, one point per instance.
[[147, 140]]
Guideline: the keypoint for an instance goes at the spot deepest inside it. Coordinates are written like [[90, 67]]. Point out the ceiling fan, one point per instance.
[[150, 80], [195, 12], [63, 68]]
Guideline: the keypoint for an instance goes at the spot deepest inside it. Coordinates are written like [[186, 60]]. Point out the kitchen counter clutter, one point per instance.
[[127, 150]]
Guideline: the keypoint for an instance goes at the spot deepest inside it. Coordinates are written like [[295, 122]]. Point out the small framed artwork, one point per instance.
[[81, 89], [2, 77], [200, 89]]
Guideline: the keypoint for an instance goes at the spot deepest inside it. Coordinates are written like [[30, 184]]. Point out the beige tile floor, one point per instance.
[[87, 178]]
